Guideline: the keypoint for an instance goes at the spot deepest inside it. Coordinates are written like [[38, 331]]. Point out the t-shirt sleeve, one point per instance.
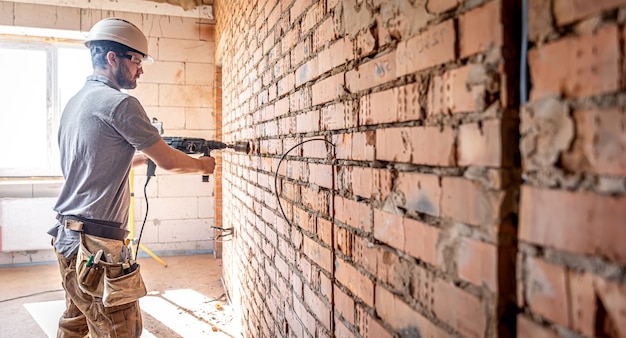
[[132, 122]]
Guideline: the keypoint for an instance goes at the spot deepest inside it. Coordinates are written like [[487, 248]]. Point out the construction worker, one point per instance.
[[103, 133]]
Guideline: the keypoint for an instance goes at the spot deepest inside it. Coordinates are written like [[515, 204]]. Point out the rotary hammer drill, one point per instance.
[[189, 145]]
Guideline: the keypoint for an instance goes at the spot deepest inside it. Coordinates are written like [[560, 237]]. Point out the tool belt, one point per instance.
[[104, 229], [105, 269]]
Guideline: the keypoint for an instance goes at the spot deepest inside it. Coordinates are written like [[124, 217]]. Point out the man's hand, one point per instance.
[[139, 159], [208, 164]]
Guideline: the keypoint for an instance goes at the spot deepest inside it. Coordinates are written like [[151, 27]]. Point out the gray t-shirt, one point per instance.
[[100, 130]]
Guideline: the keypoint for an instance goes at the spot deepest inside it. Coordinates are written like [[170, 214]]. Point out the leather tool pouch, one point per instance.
[[125, 288], [104, 279]]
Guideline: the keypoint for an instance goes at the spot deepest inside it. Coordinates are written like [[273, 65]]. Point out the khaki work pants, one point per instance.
[[86, 315]]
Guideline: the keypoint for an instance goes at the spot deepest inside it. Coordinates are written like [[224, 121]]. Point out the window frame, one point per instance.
[[50, 167]]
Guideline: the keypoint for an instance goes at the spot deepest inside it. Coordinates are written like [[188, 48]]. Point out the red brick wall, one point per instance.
[[430, 215], [572, 256]]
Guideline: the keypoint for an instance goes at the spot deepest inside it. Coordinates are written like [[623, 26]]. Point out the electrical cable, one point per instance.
[[149, 173], [145, 217], [278, 167], [30, 295]]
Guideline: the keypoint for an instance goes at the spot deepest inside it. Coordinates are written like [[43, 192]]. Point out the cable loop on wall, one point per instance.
[[282, 211]]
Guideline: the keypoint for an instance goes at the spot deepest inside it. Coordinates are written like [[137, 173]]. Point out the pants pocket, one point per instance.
[[125, 320]]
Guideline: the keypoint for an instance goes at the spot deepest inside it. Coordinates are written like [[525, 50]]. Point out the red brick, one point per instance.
[[407, 235], [459, 90], [307, 72], [315, 149], [324, 230], [576, 66], [325, 33], [477, 262], [341, 330], [340, 115], [583, 302], [344, 304], [459, 309], [526, 328], [580, 222], [568, 11], [363, 146], [299, 6], [369, 327], [364, 254], [308, 122], [303, 315], [361, 181], [312, 17], [420, 192], [424, 243], [389, 228], [398, 104], [599, 146], [545, 290], [343, 240], [373, 73], [433, 47], [316, 200], [300, 100], [286, 84], [480, 29], [301, 52], [320, 310], [335, 55], [360, 285], [290, 38], [354, 214], [303, 219], [273, 18], [321, 175], [288, 125], [613, 297], [418, 145], [402, 317], [481, 144], [382, 184], [343, 145], [327, 89], [468, 202], [377, 108]]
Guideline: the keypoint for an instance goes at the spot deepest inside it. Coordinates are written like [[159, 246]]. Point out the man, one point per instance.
[[100, 132]]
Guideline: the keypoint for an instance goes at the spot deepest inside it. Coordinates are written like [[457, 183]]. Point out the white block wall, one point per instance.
[[24, 223], [177, 89]]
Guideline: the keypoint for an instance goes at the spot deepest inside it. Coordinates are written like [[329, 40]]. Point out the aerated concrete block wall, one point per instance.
[[177, 90]]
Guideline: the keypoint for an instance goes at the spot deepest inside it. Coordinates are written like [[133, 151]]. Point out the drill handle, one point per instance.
[[207, 152]]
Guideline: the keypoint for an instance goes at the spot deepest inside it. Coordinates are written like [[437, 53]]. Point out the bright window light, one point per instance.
[[37, 78]]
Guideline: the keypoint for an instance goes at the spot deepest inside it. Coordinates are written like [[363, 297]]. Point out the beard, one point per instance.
[[124, 77]]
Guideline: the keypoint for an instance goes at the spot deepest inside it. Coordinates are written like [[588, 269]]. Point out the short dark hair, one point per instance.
[[100, 48]]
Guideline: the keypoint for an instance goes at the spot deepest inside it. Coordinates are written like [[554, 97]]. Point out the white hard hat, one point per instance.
[[120, 31]]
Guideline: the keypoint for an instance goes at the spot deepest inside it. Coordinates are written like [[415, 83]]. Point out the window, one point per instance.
[[37, 78]]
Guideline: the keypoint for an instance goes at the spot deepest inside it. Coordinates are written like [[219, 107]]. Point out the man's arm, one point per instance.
[[139, 159], [170, 159]]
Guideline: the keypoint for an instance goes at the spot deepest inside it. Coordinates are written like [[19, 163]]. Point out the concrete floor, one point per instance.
[[185, 299]]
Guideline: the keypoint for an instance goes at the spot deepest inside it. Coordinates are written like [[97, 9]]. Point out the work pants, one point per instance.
[[86, 315]]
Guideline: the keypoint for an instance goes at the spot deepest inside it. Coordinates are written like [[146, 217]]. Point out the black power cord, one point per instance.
[[278, 167], [149, 174]]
